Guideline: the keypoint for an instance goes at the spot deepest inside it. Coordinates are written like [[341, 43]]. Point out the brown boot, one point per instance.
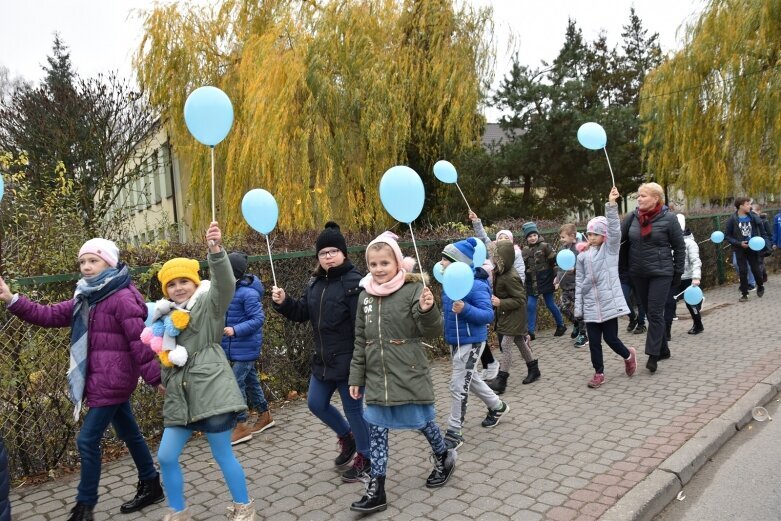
[[265, 421], [242, 433]]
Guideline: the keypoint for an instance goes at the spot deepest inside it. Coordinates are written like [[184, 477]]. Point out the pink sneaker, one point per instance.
[[597, 380], [630, 364]]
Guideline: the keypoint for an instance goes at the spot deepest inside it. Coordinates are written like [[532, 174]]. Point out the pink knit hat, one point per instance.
[[504, 232], [389, 238], [103, 248], [597, 225]]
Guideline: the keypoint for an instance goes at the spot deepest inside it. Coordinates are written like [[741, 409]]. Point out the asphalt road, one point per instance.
[[741, 482]]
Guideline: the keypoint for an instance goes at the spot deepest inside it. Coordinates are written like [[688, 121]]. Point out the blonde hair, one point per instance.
[[655, 188], [568, 229]]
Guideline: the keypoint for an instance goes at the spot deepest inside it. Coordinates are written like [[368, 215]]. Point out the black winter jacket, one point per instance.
[[329, 303], [660, 254], [5, 504], [734, 236]]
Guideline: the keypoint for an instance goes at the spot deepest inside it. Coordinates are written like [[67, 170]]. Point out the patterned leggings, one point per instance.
[[378, 441]]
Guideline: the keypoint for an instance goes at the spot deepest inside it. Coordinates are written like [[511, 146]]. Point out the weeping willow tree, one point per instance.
[[712, 112], [327, 96]]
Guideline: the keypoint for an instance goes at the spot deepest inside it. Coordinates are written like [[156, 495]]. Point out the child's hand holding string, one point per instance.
[[5, 293], [614, 195], [426, 300], [214, 238], [458, 306]]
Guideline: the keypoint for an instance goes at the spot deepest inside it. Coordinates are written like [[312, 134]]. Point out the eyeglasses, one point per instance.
[[328, 253]]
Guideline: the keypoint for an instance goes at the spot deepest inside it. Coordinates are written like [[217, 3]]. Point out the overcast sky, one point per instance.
[[102, 34]]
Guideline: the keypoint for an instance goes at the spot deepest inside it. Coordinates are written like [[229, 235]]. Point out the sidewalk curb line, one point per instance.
[[649, 497]]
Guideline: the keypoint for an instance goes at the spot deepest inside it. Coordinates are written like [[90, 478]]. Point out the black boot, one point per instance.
[[499, 384], [651, 364], [444, 465], [374, 498], [148, 491], [697, 328], [534, 372], [81, 512], [346, 449], [668, 332]]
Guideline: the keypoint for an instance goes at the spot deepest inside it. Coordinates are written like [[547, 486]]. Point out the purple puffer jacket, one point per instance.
[[116, 355]]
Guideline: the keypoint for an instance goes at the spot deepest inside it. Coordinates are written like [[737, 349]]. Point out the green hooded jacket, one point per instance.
[[508, 288], [390, 358], [205, 386]]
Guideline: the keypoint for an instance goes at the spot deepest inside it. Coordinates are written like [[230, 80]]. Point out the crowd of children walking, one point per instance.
[[369, 336]]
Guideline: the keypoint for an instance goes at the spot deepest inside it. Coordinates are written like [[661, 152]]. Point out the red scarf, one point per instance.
[[645, 219]]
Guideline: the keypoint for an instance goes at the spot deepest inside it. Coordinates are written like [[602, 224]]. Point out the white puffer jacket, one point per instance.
[[692, 268], [598, 294]]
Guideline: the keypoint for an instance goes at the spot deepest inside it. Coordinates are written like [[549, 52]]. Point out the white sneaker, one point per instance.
[[492, 371]]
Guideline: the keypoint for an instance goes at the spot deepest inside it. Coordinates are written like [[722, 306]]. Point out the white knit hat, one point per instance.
[[681, 221], [103, 248]]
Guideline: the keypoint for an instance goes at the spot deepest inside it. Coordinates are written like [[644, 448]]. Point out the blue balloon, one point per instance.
[[445, 171], [208, 113], [717, 237], [260, 210], [458, 280], [565, 259], [480, 253], [2, 187], [402, 193], [756, 243], [592, 136], [439, 272], [692, 295], [150, 311]]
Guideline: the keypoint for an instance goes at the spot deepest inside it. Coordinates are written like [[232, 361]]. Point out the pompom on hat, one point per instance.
[[103, 248], [331, 237], [178, 268]]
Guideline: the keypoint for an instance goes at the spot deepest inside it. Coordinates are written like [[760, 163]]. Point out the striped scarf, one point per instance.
[[89, 291]]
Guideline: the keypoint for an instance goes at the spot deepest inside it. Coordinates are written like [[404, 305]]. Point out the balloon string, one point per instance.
[[609, 167], [214, 213], [271, 260], [417, 255], [458, 339], [462, 195]]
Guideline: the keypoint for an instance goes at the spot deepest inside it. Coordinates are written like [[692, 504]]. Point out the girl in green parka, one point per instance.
[[395, 313], [201, 390]]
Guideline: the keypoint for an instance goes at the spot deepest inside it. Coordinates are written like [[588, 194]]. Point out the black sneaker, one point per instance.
[[743, 298], [444, 465], [632, 325], [639, 330], [531, 336], [346, 449], [560, 330], [359, 471], [760, 291], [494, 415], [453, 440]]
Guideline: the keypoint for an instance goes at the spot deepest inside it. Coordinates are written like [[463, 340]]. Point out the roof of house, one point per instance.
[[495, 135]]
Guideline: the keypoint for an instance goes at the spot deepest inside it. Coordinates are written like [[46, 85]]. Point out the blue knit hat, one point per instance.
[[529, 228], [461, 251]]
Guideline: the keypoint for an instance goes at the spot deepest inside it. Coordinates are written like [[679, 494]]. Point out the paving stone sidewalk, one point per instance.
[[563, 452]]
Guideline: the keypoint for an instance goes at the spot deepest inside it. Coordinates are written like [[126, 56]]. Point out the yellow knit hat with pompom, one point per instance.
[[178, 268]]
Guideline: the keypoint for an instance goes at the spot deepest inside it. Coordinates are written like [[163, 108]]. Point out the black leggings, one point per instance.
[[608, 330]]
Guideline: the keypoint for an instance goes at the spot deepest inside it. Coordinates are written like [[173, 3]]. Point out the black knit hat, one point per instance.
[[331, 237], [238, 263]]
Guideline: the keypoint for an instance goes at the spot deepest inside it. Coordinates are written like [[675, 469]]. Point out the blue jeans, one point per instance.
[[120, 416], [626, 288], [550, 303], [247, 376], [319, 402]]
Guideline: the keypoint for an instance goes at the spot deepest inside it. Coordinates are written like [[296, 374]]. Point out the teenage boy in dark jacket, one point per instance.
[[741, 227]]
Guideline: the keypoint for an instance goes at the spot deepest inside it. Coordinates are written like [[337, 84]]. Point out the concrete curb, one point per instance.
[[649, 497]]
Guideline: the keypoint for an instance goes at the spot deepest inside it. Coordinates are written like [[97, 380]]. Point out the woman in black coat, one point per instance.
[[656, 254]]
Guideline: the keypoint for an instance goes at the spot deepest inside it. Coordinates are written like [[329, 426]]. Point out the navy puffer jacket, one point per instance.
[[245, 315], [473, 320], [5, 504]]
